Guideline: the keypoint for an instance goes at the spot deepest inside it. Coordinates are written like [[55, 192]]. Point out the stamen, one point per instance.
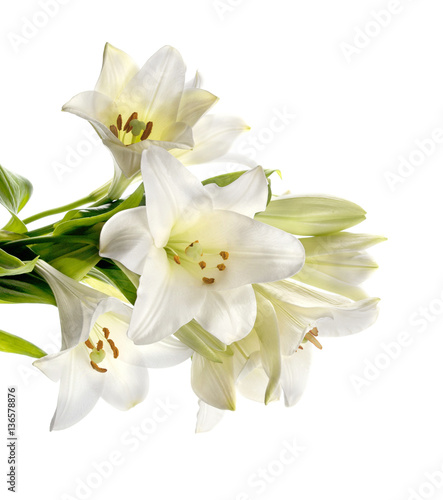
[[106, 332], [300, 347], [147, 131], [97, 368], [114, 130], [224, 255], [99, 345], [202, 264], [208, 281], [114, 348], [176, 259], [119, 122], [134, 116], [314, 332], [311, 337], [221, 267], [89, 344]]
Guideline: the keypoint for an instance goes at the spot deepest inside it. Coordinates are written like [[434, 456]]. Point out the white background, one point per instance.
[[351, 119]]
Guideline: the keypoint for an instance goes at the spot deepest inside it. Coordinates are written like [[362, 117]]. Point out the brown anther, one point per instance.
[[97, 368], [202, 264], [221, 267], [300, 347], [114, 348], [192, 244], [114, 130], [106, 332], [147, 131], [119, 122], [99, 345], [208, 281], [314, 332], [127, 127], [311, 338], [224, 255], [89, 344], [176, 259]]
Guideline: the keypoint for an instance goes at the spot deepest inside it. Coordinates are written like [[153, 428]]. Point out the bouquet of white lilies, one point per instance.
[[180, 269]]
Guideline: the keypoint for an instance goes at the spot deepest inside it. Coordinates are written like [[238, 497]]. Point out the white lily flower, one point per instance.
[[198, 251], [134, 107], [97, 359], [276, 356]]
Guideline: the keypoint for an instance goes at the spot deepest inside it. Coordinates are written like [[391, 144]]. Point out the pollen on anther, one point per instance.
[[127, 126], [97, 368], [119, 122], [114, 130], [99, 345], [147, 131], [221, 267], [224, 255], [176, 259], [114, 348], [89, 344], [208, 281], [106, 332], [202, 264]]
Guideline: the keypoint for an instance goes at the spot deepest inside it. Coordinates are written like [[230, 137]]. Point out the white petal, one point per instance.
[[194, 104], [253, 381], [295, 372], [126, 385], [228, 315], [214, 382], [166, 353], [267, 330], [76, 304], [80, 387], [126, 238], [257, 252], [207, 417], [155, 91], [172, 192], [118, 68], [247, 195], [214, 136], [166, 299]]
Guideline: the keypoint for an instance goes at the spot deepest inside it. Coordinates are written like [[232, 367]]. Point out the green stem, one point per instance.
[[94, 196]]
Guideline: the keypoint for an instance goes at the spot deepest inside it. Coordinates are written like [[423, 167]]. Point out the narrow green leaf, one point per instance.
[[11, 266], [12, 343], [116, 277], [25, 288]]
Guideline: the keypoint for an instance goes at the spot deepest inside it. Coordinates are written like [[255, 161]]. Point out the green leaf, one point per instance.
[[25, 288], [89, 217], [17, 345], [107, 269], [15, 225], [11, 266], [15, 190]]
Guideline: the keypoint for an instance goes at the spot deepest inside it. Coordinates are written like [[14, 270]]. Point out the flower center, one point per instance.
[[194, 258], [311, 336], [98, 353], [134, 130]]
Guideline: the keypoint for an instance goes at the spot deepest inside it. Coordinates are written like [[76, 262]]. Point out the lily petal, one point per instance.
[[118, 68], [162, 78], [125, 237], [207, 417], [214, 382], [247, 195], [228, 315], [213, 137], [165, 300], [166, 353], [172, 192], [295, 372], [79, 388], [194, 104]]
